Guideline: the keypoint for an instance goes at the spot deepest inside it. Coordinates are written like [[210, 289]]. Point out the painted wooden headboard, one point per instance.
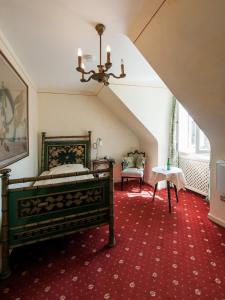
[[60, 150]]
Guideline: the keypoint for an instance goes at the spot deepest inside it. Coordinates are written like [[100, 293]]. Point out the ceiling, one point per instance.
[[46, 34]]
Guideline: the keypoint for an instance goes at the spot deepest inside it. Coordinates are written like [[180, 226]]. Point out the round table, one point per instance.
[[174, 175]]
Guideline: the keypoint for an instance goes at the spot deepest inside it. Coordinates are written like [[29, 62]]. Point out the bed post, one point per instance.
[[43, 134], [112, 240], [4, 241], [89, 150]]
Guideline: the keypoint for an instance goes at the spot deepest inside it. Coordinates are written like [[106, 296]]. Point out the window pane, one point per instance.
[[191, 138], [187, 132], [192, 135], [203, 142]]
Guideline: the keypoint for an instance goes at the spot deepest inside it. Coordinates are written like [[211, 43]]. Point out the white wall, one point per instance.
[[151, 106], [148, 143], [184, 43], [62, 114]]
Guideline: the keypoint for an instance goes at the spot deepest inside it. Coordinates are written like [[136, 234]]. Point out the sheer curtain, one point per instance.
[[173, 133]]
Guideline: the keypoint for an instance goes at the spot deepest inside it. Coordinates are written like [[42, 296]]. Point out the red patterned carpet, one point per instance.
[[158, 256]]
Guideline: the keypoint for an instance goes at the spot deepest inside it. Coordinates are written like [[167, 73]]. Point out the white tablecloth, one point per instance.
[[175, 175]]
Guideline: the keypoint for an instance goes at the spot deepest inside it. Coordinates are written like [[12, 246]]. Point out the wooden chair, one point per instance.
[[133, 167]]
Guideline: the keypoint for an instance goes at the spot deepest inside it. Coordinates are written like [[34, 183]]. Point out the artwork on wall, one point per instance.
[[14, 143]]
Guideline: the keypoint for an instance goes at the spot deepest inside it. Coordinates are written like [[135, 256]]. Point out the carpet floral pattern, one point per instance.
[[157, 256]]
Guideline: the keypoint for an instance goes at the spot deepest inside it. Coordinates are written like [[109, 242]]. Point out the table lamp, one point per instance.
[[96, 145]]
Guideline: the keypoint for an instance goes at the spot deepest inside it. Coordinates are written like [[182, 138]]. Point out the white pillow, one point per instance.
[[69, 168], [45, 173]]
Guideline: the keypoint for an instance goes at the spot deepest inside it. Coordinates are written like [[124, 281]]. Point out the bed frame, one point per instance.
[[36, 213]]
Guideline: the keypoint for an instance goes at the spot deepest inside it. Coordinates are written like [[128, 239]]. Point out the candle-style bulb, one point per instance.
[[122, 67], [82, 67], [79, 52], [79, 55], [108, 54]]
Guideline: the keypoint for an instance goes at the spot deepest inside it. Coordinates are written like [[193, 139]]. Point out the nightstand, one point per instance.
[[98, 164]]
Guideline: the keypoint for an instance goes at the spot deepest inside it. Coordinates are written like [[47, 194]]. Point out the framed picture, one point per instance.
[[14, 143]]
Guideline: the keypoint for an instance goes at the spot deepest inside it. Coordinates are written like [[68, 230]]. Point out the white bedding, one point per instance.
[[69, 168]]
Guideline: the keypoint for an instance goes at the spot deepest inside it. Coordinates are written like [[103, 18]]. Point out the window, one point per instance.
[[191, 139]]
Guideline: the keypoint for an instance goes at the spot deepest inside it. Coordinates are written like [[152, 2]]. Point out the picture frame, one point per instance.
[[14, 123]]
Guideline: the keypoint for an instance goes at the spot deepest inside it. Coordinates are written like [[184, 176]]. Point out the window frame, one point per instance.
[[197, 149]]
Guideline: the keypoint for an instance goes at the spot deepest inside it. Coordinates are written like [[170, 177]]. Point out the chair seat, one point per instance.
[[132, 172]]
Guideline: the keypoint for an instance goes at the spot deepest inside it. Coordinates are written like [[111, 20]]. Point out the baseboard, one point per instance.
[[147, 181], [117, 179], [216, 220]]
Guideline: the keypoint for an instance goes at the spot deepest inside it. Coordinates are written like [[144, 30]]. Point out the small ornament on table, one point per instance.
[[168, 164]]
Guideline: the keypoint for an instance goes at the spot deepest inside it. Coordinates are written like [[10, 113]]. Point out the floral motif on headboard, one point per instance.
[[66, 154]]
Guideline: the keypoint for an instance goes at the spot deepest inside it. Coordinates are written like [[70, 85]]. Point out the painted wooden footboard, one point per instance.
[[36, 213]]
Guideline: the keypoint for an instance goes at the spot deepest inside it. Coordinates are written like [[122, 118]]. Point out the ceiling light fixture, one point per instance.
[[101, 75]]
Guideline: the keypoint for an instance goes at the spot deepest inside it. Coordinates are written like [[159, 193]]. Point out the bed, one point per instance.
[[46, 208]]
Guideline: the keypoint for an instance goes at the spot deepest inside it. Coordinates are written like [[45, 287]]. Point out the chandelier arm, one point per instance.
[[89, 72], [86, 80], [117, 77], [86, 73], [107, 67]]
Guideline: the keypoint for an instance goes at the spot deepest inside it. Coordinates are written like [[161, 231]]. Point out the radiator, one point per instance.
[[196, 172]]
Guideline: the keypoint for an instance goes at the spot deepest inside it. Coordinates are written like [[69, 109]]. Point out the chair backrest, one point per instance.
[[137, 161], [136, 153]]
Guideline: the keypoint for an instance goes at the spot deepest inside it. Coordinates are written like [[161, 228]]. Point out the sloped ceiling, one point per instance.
[[46, 34], [185, 44], [188, 51]]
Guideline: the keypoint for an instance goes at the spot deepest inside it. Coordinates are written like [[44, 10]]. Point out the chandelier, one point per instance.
[[101, 75]]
